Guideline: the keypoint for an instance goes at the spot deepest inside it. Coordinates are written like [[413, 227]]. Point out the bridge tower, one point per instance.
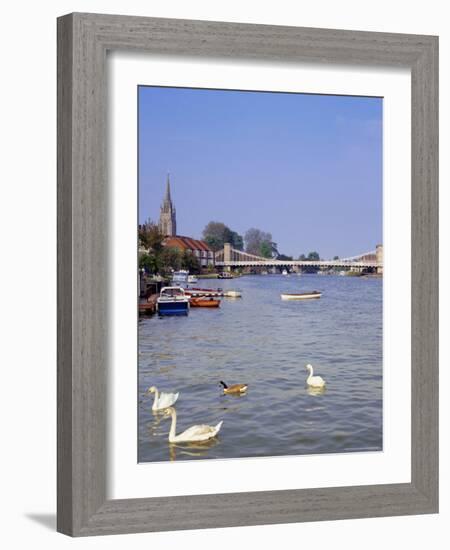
[[379, 252], [227, 254]]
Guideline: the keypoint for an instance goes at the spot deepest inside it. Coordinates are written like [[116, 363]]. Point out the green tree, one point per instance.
[[149, 262], [150, 236], [302, 257], [170, 258], [189, 261], [284, 257], [336, 258], [216, 234], [313, 256], [237, 241], [265, 249], [254, 238]]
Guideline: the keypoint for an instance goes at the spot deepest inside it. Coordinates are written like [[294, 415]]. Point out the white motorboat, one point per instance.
[[172, 301], [180, 276]]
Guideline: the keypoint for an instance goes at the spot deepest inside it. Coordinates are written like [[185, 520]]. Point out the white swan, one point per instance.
[[202, 432], [162, 400], [314, 381]]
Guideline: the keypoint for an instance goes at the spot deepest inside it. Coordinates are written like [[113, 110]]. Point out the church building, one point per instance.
[[168, 214], [168, 227]]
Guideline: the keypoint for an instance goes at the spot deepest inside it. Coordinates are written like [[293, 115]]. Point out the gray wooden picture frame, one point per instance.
[[83, 42]]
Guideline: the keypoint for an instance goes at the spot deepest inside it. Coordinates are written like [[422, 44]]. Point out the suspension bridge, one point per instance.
[[230, 257]]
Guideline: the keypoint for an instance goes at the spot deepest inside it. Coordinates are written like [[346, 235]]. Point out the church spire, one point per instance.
[[167, 196], [167, 217]]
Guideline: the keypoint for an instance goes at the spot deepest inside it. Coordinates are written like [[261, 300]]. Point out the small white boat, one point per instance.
[[301, 295], [192, 279], [225, 275], [284, 272], [180, 276], [232, 294]]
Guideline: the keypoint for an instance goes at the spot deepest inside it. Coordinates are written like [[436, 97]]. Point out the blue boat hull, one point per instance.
[[173, 308]]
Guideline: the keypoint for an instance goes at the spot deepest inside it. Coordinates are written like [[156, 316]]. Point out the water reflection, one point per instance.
[[191, 449], [153, 427], [316, 391]]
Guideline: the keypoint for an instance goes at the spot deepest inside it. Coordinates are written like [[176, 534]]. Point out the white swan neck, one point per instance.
[[155, 402], [310, 373], [173, 426]]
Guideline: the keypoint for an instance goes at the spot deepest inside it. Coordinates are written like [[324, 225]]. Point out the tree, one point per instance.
[[302, 257], [237, 241], [254, 239], [213, 235], [284, 257], [265, 249], [216, 234], [336, 258], [189, 261], [150, 236], [313, 256], [149, 262], [170, 258]]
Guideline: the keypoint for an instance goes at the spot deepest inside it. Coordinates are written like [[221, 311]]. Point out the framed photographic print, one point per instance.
[[247, 282], [232, 317]]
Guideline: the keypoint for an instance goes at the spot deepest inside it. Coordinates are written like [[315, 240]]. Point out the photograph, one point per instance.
[[260, 274]]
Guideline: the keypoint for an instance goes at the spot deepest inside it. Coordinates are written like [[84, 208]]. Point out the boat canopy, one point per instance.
[[172, 291]]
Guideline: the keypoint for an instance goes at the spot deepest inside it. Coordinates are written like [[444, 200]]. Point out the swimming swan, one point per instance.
[[314, 381], [235, 388], [201, 432], [162, 400]]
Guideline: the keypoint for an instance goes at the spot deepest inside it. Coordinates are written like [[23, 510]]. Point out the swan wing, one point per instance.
[[167, 400], [201, 432], [317, 381]]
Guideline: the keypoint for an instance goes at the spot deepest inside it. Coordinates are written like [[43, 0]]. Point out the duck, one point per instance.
[[235, 388], [162, 400], [201, 432], [314, 381]]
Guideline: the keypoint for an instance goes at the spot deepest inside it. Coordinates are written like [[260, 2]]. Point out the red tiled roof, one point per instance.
[[186, 243]]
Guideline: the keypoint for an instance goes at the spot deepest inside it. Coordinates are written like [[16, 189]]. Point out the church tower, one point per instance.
[[167, 216]]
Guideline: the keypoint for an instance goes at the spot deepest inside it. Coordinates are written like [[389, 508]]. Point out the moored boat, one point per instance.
[[192, 279], [147, 308], [301, 295], [180, 276], [233, 294], [172, 301], [204, 302], [212, 293], [199, 292], [225, 275]]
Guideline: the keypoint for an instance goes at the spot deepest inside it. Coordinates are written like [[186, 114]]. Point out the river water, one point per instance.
[[266, 342]]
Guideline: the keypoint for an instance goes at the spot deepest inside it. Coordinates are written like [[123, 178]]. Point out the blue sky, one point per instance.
[[306, 168]]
